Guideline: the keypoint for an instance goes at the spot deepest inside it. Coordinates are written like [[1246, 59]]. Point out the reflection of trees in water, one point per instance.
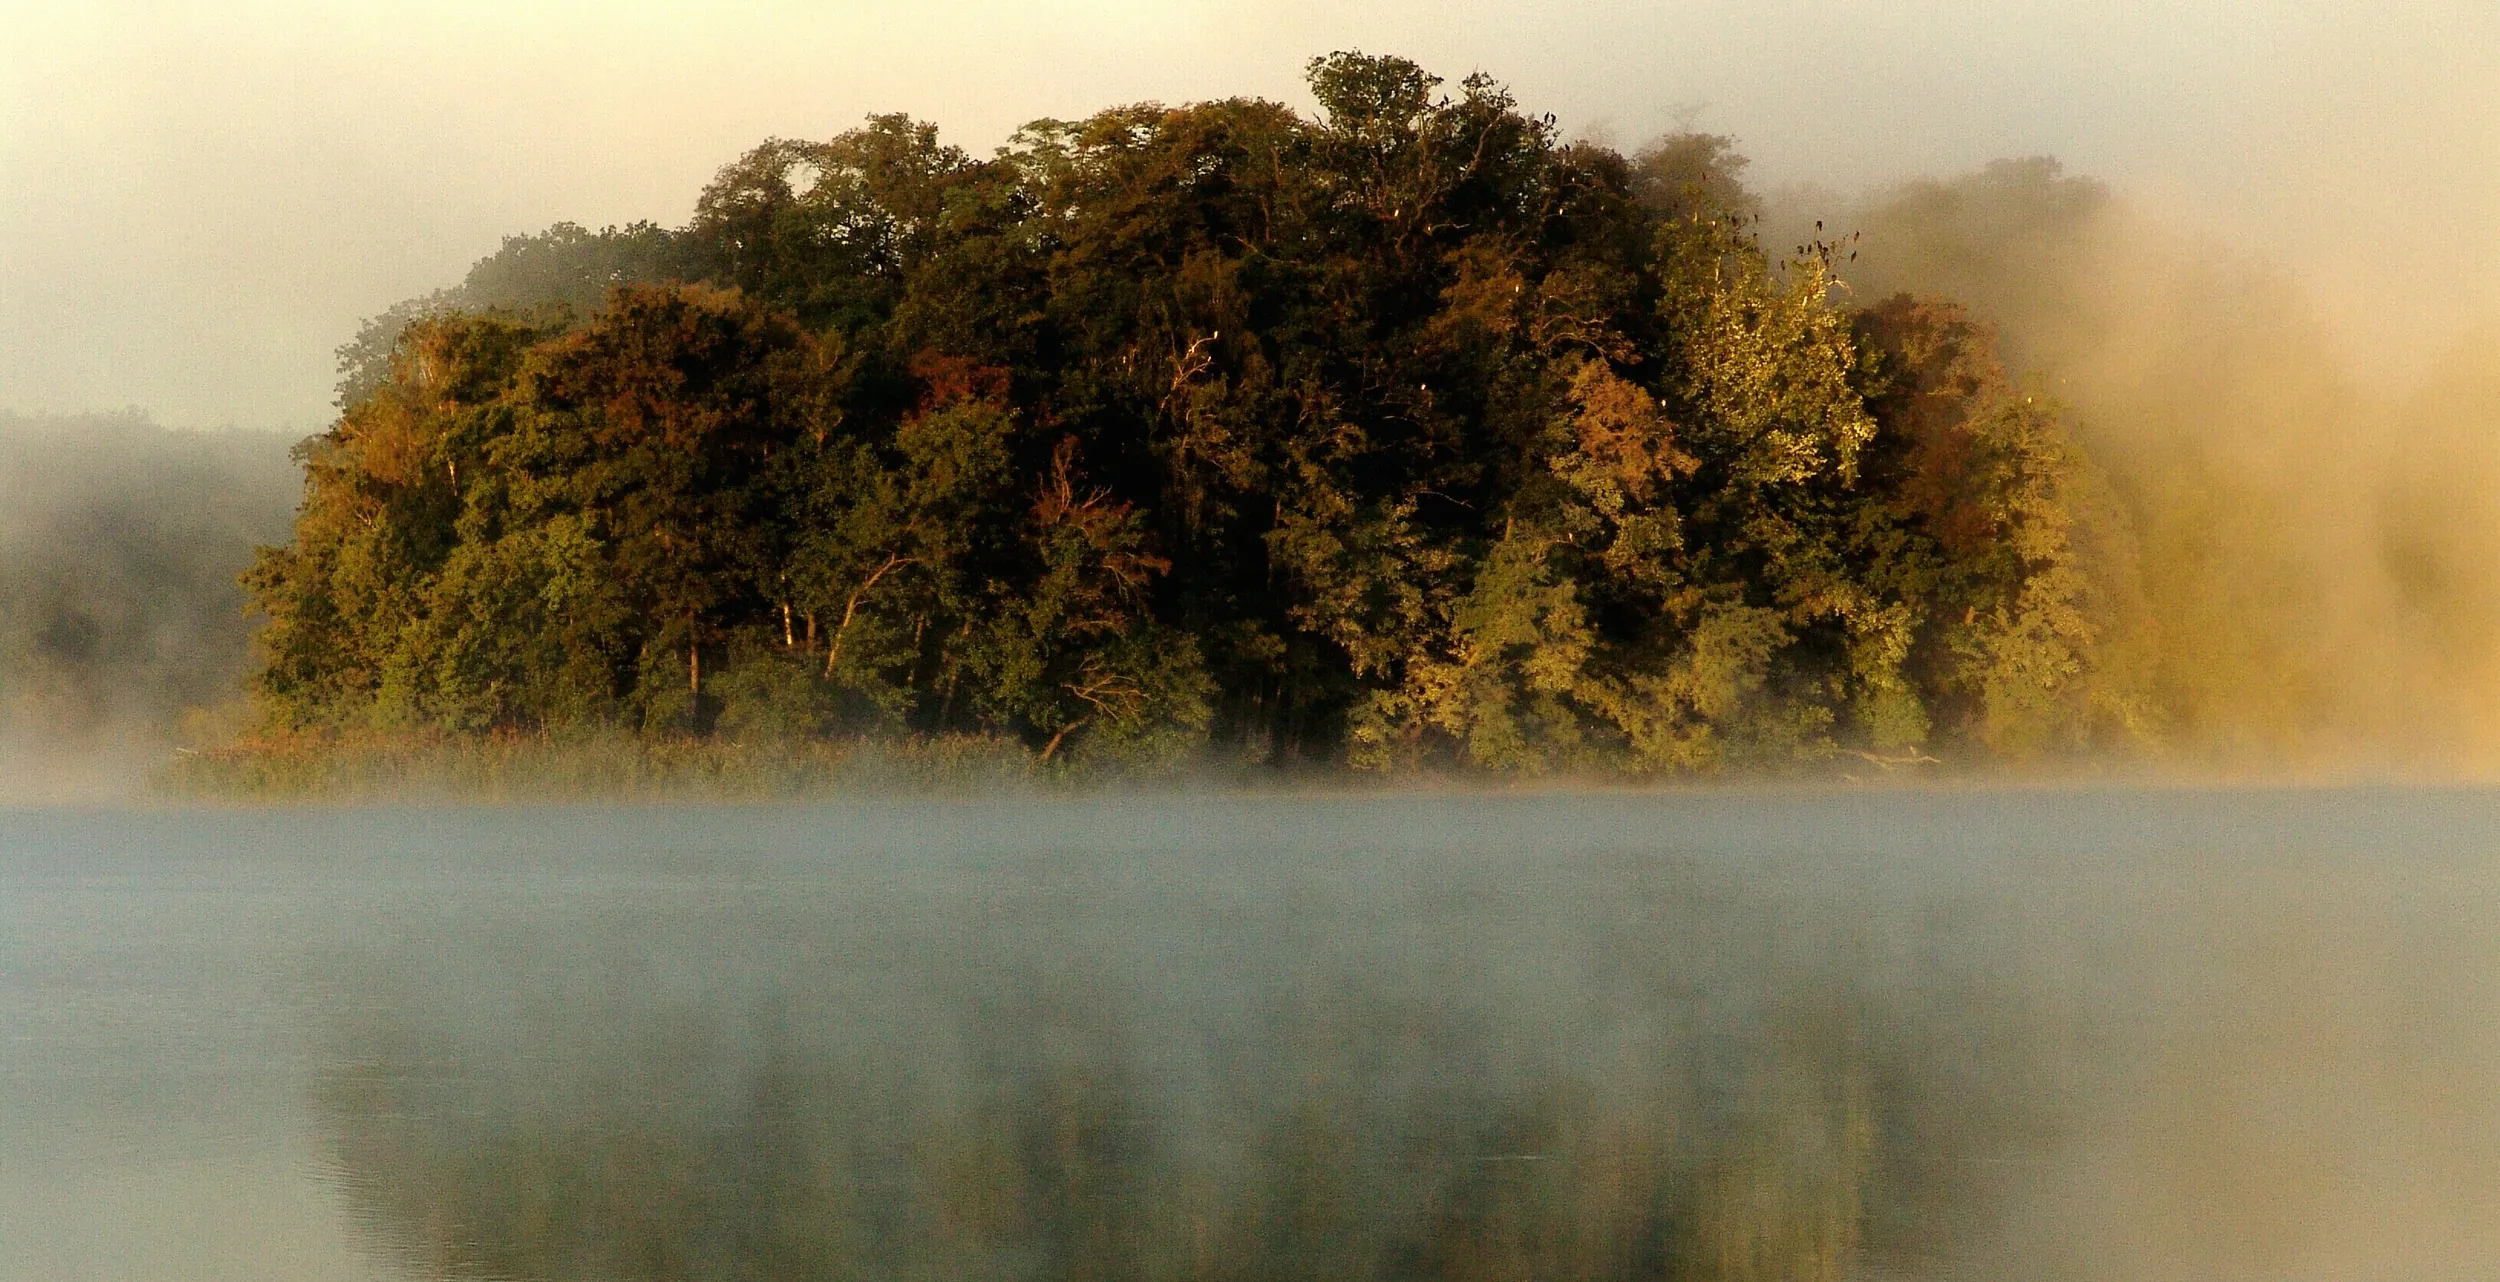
[[1695, 1102]]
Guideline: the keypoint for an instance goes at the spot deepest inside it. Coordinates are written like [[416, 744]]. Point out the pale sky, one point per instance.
[[199, 201]]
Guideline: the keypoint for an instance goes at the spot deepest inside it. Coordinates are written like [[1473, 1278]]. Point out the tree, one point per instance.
[[1403, 434]]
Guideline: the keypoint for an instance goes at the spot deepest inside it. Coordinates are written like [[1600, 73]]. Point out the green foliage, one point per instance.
[[1405, 435], [2021, 557]]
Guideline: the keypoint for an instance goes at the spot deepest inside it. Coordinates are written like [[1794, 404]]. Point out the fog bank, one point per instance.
[[2070, 1035], [2316, 537], [119, 614]]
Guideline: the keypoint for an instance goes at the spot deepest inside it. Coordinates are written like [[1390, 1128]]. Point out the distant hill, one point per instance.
[[120, 541]]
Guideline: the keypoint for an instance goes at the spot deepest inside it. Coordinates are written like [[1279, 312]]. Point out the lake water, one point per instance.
[[2098, 1033]]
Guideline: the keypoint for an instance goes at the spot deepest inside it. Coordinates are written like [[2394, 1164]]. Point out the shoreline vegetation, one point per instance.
[[504, 767], [498, 767], [1407, 442]]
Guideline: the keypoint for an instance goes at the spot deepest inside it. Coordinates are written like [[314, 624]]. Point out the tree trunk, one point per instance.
[[850, 608], [1053, 745]]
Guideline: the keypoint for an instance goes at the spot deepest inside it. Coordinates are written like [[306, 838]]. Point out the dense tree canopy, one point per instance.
[[1406, 434]]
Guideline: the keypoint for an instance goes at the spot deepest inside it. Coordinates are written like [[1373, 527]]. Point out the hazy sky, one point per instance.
[[198, 201]]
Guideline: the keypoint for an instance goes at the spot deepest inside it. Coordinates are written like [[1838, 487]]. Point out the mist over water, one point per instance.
[[2082, 1034]]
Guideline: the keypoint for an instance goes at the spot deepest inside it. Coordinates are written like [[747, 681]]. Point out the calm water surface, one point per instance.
[[2071, 1034]]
